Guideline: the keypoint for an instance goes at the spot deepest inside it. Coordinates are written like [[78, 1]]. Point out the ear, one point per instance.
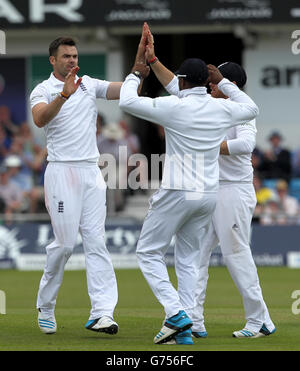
[[52, 60], [185, 84], [234, 82]]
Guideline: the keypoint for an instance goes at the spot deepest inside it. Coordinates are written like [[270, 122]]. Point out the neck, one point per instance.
[[59, 76]]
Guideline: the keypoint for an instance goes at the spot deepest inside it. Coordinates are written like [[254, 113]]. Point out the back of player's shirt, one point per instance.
[[195, 125]]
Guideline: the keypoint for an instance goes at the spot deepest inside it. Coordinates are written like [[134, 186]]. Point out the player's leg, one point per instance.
[[209, 242], [166, 214], [62, 197], [237, 202], [159, 227], [101, 279], [189, 259]]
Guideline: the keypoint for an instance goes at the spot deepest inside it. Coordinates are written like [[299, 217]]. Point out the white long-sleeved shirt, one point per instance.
[[237, 166], [241, 141], [195, 125], [71, 134]]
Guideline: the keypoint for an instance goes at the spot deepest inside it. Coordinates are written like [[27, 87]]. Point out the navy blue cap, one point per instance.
[[233, 72], [193, 70]]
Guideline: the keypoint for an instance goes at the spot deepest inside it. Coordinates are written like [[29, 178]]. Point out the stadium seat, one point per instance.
[[270, 183], [294, 189]]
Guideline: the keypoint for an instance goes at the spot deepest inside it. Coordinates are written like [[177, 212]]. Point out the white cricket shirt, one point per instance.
[[195, 125], [237, 167], [241, 141], [71, 135]]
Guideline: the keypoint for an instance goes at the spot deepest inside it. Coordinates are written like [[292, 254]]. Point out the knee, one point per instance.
[[67, 251], [140, 253]]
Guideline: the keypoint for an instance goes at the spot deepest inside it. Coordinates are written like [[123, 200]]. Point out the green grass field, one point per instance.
[[140, 316]]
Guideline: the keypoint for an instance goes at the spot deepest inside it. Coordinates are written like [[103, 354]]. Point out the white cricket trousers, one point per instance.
[[172, 212], [75, 196], [231, 227]]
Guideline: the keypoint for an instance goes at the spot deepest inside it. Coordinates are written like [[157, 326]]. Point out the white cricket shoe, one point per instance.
[[46, 324], [245, 333], [104, 324]]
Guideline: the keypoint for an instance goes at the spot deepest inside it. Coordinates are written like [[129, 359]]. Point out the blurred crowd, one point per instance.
[[22, 166], [23, 163], [119, 141], [277, 183]]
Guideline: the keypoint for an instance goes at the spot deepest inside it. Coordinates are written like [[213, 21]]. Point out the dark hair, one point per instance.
[[53, 47]]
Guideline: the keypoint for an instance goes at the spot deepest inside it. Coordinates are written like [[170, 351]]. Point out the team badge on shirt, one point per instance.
[[60, 206]]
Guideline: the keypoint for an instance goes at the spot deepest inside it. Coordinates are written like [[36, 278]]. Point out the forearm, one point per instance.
[[144, 108], [243, 109], [44, 113], [240, 146], [234, 93], [163, 75], [113, 91]]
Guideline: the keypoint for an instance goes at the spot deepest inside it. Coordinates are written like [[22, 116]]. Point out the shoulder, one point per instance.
[[40, 93], [42, 87], [93, 81]]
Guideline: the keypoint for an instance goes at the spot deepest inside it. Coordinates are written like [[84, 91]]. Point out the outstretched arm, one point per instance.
[[162, 73]]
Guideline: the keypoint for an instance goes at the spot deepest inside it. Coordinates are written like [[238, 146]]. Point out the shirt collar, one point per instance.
[[199, 90], [55, 82]]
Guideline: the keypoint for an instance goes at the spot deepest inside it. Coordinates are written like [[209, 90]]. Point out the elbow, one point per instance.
[[252, 145], [39, 123], [248, 149], [256, 110], [124, 103]]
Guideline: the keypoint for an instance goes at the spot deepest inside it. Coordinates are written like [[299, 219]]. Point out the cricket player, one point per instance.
[[75, 191], [195, 125], [231, 221]]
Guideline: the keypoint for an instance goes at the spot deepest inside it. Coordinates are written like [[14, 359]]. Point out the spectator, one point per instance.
[[288, 204], [11, 195], [272, 213], [256, 159], [132, 139], [281, 208], [133, 145], [276, 163], [19, 162], [32, 153], [6, 122], [30, 145], [37, 193], [263, 196]]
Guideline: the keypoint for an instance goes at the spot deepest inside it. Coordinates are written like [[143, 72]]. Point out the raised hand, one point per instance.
[[70, 85], [215, 75], [140, 55], [150, 52]]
